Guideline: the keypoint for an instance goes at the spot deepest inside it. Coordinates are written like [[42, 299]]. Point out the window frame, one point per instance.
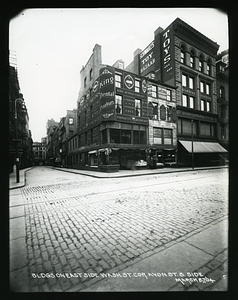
[[119, 105], [118, 83]]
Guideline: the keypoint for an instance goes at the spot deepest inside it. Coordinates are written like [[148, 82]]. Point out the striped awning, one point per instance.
[[203, 147]]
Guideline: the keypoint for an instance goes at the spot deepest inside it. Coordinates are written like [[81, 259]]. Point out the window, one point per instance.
[[207, 129], [155, 110], [138, 107], [137, 86], [71, 121], [85, 81], [205, 105], [200, 63], [209, 67], [125, 136], [188, 101], [162, 136], [169, 95], [192, 59], [169, 113], [157, 135], [91, 111], [91, 74], [188, 81], [118, 80], [205, 88], [119, 104], [153, 91], [182, 54], [139, 137], [222, 92]]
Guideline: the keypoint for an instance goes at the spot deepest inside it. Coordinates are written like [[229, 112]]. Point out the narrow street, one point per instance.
[[77, 224]]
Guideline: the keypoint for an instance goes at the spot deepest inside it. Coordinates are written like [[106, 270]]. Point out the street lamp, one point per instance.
[[192, 147], [16, 135]]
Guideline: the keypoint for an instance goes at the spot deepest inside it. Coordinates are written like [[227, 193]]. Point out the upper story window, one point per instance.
[[153, 91], [209, 67], [222, 92], [192, 59], [188, 81], [169, 95], [118, 80], [155, 110], [137, 86], [182, 54], [91, 74], [119, 104], [201, 63], [71, 121], [138, 107], [205, 87], [85, 81]]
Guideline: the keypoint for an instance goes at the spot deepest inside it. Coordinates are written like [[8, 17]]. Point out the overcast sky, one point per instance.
[[52, 45]]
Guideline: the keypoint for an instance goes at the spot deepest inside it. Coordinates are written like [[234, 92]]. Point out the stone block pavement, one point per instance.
[[92, 249]]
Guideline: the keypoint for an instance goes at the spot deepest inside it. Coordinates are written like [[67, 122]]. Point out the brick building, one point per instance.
[[184, 58]]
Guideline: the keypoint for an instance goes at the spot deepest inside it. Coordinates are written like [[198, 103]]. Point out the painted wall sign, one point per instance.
[[129, 81], [107, 93], [147, 58], [168, 55]]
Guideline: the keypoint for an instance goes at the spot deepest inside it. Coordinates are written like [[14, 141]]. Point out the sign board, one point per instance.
[[147, 59], [167, 64], [107, 93]]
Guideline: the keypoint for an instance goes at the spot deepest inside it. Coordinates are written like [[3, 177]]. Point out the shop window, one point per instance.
[[139, 137], [115, 136], [138, 107], [125, 136], [119, 104], [118, 80], [167, 134], [104, 136], [157, 133], [206, 129]]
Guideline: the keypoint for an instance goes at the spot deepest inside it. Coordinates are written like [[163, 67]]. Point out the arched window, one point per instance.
[[209, 66], [201, 63], [192, 58], [222, 92], [183, 54]]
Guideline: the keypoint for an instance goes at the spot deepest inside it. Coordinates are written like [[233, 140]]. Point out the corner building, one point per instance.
[[182, 57]]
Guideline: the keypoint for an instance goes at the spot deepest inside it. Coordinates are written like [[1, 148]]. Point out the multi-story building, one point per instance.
[[114, 124], [39, 150], [184, 58], [20, 139], [222, 74], [51, 125]]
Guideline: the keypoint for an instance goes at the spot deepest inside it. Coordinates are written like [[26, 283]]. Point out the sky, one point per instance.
[[52, 45]]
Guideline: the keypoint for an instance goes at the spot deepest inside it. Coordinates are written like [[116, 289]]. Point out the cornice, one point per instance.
[[194, 37]]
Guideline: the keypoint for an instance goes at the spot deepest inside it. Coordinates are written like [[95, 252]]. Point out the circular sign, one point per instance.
[[95, 86], [129, 81]]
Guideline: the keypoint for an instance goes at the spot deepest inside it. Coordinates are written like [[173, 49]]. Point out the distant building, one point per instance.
[[39, 151], [222, 74]]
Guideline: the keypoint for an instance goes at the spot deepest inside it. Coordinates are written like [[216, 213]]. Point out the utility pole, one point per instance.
[[192, 147]]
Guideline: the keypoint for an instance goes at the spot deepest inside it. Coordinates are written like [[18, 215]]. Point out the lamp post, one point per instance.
[[16, 135], [192, 147]]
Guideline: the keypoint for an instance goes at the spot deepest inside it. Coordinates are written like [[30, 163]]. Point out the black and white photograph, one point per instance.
[[118, 150]]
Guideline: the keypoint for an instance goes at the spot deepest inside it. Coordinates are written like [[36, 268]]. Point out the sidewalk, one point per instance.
[[129, 173], [196, 262], [22, 179]]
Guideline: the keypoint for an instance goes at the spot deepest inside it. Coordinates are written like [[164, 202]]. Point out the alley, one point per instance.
[[77, 224]]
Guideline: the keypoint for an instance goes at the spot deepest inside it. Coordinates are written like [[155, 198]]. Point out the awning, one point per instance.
[[203, 147], [93, 151]]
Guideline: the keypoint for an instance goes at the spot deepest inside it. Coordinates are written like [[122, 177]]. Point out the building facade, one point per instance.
[[20, 139], [222, 74], [39, 151], [184, 58], [117, 122]]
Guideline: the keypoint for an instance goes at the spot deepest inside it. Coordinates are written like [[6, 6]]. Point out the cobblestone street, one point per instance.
[[81, 225]]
